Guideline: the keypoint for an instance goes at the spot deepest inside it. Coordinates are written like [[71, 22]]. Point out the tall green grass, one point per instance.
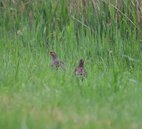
[[35, 96]]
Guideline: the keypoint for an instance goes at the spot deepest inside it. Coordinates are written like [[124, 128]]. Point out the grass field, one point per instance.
[[35, 96]]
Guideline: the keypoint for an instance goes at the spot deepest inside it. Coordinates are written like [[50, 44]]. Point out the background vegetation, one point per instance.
[[105, 33]]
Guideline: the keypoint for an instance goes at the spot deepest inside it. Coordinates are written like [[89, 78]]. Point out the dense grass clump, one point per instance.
[[106, 34]]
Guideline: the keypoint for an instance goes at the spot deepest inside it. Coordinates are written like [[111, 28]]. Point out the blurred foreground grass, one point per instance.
[[35, 96]]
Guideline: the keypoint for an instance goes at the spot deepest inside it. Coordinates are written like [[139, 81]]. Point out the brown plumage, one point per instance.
[[56, 62], [80, 70]]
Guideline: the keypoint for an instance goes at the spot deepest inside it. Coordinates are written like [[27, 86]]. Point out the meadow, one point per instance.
[[106, 34]]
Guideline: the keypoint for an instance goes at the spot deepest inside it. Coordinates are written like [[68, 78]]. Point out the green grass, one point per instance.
[[35, 96]]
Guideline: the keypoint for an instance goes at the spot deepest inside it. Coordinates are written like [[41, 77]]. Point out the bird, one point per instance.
[[80, 70], [56, 62]]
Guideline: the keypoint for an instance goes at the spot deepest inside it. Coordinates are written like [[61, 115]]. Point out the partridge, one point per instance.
[[80, 70], [56, 62]]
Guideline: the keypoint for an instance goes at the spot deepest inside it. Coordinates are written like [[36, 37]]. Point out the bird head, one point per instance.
[[81, 63], [53, 55]]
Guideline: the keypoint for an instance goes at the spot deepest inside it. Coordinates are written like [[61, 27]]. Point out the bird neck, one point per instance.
[[81, 65], [55, 58]]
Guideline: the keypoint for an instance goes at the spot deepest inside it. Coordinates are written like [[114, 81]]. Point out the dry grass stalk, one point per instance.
[[75, 6], [139, 10]]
